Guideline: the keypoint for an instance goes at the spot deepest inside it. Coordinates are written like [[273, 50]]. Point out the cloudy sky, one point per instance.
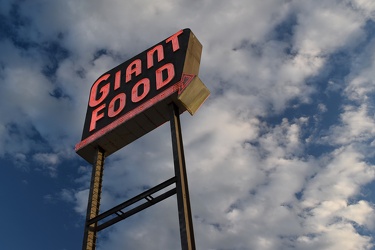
[[281, 156]]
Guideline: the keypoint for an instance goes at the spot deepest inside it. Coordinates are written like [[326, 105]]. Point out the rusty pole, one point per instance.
[[89, 238], [183, 199]]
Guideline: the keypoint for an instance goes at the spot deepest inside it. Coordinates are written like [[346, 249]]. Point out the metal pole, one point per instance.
[[183, 199], [89, 238]]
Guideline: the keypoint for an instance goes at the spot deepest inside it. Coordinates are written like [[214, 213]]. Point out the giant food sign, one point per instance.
[[132, 99]]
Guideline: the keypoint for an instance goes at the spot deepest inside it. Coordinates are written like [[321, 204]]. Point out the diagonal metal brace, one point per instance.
[[135, 210], [120, 215]]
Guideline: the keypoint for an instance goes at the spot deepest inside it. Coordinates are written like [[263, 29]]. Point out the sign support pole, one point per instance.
[[183, 199], [89, 238]]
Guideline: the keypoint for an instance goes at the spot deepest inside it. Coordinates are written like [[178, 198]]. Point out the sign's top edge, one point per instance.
[[137, 55]]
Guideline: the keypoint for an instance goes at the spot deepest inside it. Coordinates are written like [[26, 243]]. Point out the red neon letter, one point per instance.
[[150, 55], [159, 75], [95, 116], [174, 39], [134, 67], [111, 108], [146, 89], [103, 90], [117, 80]]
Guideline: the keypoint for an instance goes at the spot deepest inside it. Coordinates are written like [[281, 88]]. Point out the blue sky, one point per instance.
[[279, 157]]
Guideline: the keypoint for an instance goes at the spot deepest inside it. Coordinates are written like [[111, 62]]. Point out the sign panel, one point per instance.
[[132, 99]]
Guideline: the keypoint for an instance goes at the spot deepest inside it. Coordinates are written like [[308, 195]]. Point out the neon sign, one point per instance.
[[131, 99]]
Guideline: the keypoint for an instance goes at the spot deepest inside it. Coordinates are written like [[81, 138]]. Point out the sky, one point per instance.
[[280, 156]]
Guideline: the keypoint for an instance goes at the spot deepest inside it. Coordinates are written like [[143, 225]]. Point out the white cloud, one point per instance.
[[362, 213], [357, 126], [47, 159], [80, 205], [343, 174], [326, 26], [366, 7], [361, 84], [67, 195]]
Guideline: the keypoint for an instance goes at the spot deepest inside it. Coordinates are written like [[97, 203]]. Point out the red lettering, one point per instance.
[[103, 90], [159, 75], [134, 67], [111, 108], [174, 39], [95, 116], [146, 88], [150, 55], [117, 80]]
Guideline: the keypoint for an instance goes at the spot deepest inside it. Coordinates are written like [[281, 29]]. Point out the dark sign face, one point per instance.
[[121, 95]]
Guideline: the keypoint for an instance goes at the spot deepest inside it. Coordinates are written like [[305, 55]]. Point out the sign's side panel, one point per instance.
[[193, 56], [193, 94]]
